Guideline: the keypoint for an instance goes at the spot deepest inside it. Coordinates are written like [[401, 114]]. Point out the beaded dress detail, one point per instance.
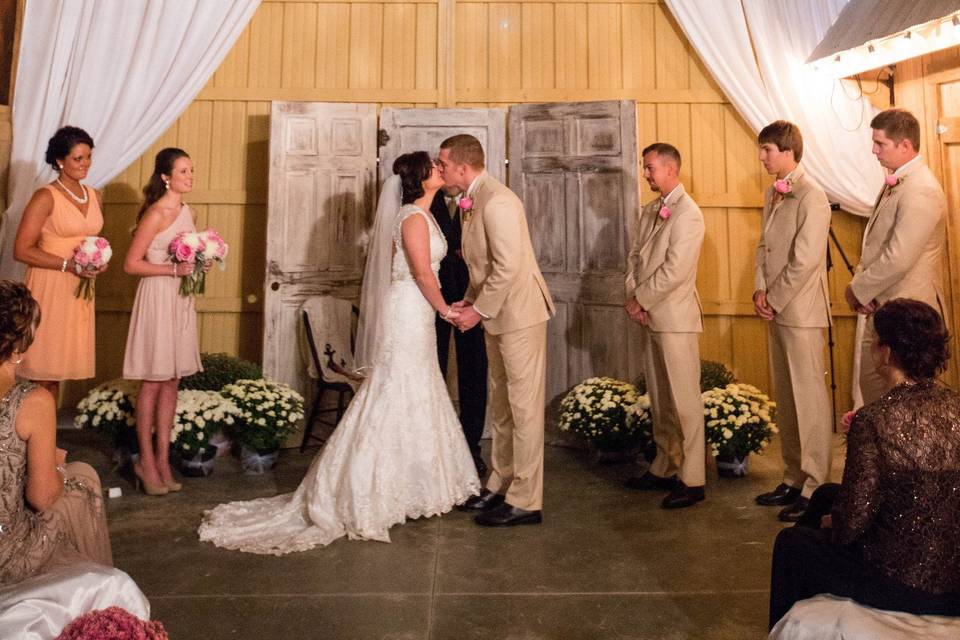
[[398, 452]]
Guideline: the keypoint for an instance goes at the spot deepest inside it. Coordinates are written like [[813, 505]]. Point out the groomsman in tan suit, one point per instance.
[[791, 295], [508, 294], [662, 298], [905, 238]]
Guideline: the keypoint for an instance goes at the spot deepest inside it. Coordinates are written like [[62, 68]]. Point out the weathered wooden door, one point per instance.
[[948, 130], [424, 129], [574, 165], [323, 160]]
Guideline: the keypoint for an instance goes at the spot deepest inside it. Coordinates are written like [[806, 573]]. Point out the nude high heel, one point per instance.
[[146, 486]]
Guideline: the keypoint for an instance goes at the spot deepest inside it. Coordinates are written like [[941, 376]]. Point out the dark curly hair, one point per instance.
[[19, 317], [413, 169], [66, 138], [916, 335]]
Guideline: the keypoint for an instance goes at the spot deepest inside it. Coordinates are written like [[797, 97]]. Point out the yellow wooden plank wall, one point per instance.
[[455, 53]]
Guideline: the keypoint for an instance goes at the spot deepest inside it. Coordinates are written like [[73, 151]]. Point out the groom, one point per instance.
[[508, 293]]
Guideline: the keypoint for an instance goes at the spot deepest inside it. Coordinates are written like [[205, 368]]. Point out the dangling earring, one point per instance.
[[19, 359], [60, 165], [166, 183]]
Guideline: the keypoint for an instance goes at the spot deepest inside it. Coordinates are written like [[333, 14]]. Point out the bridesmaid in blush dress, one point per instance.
[[55, 221], [162, 342]]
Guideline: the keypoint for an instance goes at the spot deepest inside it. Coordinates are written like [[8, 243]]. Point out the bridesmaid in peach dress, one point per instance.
[[162, 342], [56, 219]]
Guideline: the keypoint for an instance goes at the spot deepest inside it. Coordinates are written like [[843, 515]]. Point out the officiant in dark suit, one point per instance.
[[470, 346]]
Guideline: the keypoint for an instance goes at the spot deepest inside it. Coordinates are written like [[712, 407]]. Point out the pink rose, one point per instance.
[[892, 180], [96, 259], [222, 249], [664, 212], [783, 187], [101, 243], [81, 258], [466, 203], [183, 253]]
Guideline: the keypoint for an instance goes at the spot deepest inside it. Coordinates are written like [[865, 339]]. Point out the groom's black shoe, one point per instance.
[[486, 501], [508, 516]]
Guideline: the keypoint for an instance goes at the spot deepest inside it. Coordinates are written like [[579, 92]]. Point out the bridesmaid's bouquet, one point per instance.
[[92, 254], [197, 247]]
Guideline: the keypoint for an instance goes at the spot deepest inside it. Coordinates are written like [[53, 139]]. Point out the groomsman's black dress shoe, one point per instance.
[[486, 501], [508, 516], [779, 497], [795, 511], [650, 481], [683, 496]]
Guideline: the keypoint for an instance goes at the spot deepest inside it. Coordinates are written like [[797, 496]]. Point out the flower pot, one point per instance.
[[200, 464], [732, 466], [255, 462]]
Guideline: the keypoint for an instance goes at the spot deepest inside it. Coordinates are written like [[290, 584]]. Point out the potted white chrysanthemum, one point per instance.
[[200, 416], [268, 413], [610, 414], [738, 421]]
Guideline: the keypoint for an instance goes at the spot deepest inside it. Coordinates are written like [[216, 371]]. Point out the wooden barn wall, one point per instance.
[[449, 53]]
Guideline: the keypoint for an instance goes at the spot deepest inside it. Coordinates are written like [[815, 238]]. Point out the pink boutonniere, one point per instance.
[[892, 181], [466, 206], [783, 187], [664, 212]]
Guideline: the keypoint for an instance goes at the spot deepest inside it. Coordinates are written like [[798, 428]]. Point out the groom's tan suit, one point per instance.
[[902, 256], [508, 290], [791, 268], [662, 276]]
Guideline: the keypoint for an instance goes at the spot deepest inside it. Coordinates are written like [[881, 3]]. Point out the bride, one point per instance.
[[399, 451]]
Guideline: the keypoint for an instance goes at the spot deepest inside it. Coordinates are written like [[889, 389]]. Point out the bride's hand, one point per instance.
[[451, 315]]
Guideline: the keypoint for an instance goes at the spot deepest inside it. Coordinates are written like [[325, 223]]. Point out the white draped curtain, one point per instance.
[[123, 70], [756, 51]]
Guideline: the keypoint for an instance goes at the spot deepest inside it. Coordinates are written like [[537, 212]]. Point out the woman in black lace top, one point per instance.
[[889, 535]]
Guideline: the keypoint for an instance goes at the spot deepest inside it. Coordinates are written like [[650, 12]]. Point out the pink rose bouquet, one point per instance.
[[113, 623], [92, 254], [198, 247]]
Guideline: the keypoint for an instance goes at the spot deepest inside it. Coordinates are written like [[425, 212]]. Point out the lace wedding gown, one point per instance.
[[398, 452]]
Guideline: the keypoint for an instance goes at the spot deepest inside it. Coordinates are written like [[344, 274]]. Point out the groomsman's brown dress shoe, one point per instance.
[[486, 501], [507, 515], [683, 496], [779, 497], [651, 482], [795, 511]]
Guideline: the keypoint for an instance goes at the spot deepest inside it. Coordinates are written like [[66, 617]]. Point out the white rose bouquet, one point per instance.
[[608, 412], [739, 419], [268, 412], [200, 415]]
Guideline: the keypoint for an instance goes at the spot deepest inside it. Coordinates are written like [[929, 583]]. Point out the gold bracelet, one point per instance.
[[63, 267]]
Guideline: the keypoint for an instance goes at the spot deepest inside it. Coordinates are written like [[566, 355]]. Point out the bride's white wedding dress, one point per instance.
[[399, 451]]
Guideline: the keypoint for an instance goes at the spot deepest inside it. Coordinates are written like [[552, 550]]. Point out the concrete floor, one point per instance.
[[606, 563]]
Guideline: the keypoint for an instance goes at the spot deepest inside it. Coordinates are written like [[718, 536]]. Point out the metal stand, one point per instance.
[[830, 343]]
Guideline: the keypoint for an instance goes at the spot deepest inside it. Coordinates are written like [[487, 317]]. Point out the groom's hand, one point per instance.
[[460, 305], [468, 318]]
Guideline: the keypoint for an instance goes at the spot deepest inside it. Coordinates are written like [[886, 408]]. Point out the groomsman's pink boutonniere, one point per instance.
[[847, 420], [664, 212], [783, 187], [466, 206], [892, 181]]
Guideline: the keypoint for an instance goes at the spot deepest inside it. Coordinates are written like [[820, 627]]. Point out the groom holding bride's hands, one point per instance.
[[508, 294]]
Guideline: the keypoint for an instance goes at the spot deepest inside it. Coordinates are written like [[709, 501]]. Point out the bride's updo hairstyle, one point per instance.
[[916, 335], [19, 317], [413, 169]]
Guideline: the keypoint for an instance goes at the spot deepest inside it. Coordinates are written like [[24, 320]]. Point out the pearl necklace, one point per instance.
[[78, 200]]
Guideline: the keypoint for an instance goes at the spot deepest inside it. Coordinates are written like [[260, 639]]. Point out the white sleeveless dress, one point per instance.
[[398, 452]]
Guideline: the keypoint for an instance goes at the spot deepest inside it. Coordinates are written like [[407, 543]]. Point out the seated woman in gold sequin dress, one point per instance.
[[51, 512], [889, 535]]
